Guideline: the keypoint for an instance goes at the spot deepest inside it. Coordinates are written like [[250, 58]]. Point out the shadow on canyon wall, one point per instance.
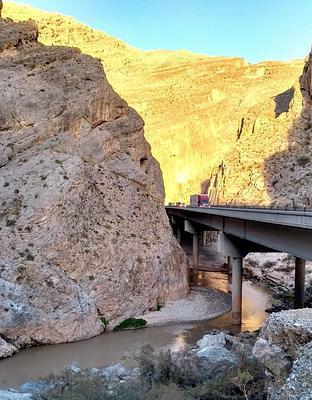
[[287, 174]]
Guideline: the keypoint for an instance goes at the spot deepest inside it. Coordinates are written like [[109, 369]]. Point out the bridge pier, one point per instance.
[[179, 234], [299, 282], [195, 258], [235, 253], [237, 290], [190, 228]]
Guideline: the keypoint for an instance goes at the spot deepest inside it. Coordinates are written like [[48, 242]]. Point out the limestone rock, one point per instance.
[[270, 164], [6, 395], [299, 383], [198, 109], [218, 340], [290, 330], [6, 349], [275, 360], [83, 231], [274, 269], [216, 360], [284, 348]]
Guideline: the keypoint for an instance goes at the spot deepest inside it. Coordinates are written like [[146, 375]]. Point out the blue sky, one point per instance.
[[254, 29]]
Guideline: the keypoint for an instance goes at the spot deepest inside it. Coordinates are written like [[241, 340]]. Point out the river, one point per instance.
[[37, 362]]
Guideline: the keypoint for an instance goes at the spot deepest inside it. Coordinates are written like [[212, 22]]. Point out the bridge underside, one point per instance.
[[266, 237], [238, 237]]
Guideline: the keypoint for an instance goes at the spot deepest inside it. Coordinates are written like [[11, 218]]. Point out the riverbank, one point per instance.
[[215, 358], [107, 349], [201, 304]]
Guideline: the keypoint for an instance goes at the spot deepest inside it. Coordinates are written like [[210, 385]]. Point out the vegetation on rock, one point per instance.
[[130, 323]]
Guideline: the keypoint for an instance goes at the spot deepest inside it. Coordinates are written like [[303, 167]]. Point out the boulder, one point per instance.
[[8, 395], [6, 349], [216, 361], [116, 372], [299, 383], [275, 360], [289, 330], [216, 340], [215, 358], [284, 348]]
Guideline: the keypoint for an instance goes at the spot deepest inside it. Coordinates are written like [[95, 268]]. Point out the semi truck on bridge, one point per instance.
[[199, 200]]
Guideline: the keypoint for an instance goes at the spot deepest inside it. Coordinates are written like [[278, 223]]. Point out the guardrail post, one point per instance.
[[299, 282]]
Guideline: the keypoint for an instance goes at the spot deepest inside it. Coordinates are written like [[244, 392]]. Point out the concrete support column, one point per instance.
[[195, 258], [179, 234], [299, 282], [237, 268], [229, 263], [204, 238]]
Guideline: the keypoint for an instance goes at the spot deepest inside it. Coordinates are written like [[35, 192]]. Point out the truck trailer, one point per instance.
[[199, 200]]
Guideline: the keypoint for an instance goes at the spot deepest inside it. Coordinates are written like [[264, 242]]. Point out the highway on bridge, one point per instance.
[[243, 230]]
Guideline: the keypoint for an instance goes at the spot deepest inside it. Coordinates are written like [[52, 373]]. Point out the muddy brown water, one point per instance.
[[39, 362]]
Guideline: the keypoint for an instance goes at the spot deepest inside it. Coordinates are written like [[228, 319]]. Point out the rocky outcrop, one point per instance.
[[271, 162], [196, 108], [9, 395], [274, 269], [284, 348], [6, 349], [83, 231]]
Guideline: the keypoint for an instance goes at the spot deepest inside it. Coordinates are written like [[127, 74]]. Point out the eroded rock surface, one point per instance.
[[284, 348], [83, 228], [270, 164], [196, 108]]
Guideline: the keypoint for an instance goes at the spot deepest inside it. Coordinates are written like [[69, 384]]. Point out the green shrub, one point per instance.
[[104, 321], [303, 159], [131, 323]]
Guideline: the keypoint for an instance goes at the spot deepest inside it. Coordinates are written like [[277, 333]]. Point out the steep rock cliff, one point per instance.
[[83, 231], [270, 164], [195, 107]]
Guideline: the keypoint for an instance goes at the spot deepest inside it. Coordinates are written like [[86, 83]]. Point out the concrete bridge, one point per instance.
[[245, 230]]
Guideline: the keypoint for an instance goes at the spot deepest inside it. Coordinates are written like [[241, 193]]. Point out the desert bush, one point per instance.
[[183, 368], [78, 386], [162, 376], [303, 159]]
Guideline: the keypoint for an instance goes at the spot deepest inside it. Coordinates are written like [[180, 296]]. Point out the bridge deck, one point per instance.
[[300, 218]]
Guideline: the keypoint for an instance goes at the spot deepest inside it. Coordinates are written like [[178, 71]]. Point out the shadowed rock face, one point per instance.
[[83, 230]]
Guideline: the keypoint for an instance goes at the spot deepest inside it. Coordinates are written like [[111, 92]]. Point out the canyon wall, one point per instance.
[[270, 164], [196, 108], [83, 231]]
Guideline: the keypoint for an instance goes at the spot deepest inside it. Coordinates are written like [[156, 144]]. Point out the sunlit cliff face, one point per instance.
[[195, 107]]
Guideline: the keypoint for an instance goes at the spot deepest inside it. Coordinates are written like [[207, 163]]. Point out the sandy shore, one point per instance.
[[201, 304]]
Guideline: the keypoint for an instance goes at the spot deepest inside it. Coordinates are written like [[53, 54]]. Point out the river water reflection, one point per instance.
[[37, 362]]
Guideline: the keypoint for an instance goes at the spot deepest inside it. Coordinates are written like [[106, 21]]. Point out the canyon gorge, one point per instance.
[[95, 136], [218, 121]]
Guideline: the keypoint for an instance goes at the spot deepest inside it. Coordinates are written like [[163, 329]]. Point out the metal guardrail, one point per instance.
[[247, 206]]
